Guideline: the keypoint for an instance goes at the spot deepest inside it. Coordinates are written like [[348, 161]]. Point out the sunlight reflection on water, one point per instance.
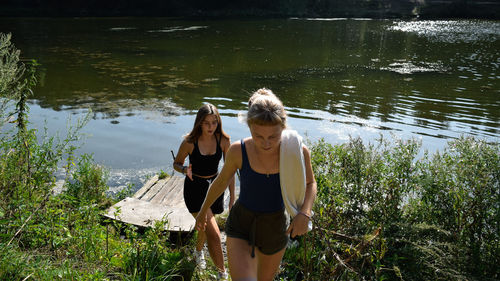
[[451, 31]]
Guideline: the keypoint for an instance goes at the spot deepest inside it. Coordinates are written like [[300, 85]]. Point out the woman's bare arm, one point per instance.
[[311, 187], [232, 163], [232, 181], [184, 149]]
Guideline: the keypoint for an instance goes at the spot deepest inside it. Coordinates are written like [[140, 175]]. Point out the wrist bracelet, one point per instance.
[[306, 215]]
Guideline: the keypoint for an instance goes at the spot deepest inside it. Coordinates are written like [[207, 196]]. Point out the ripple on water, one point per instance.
[[122, 28], [451, 31], [179, 28], [411, 67], [320, 19]]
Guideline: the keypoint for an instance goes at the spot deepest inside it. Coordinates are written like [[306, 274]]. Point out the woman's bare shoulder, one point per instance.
[[235, 146], [186, 145], [233, 155], [225, 141], [235, 149], [246, 140], [187, 142]]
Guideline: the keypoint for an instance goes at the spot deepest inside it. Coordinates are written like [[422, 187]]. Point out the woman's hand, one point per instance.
[[298, 226], [201, 221]]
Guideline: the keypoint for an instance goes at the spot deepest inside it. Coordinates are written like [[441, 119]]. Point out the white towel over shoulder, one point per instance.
[[292, 172]]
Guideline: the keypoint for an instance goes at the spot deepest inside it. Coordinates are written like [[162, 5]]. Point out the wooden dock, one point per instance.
[[158, 199]]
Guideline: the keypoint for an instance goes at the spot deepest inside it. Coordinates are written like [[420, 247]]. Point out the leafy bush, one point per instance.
[[381, 213], [88, 183], [460, 192], [12, 74]]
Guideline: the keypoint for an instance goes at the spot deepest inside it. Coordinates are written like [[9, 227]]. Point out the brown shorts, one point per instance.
[[267, 231]]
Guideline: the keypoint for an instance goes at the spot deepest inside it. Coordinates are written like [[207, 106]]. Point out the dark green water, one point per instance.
[[144, 78]]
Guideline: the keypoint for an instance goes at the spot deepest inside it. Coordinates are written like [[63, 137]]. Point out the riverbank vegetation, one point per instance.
[[385, 211]]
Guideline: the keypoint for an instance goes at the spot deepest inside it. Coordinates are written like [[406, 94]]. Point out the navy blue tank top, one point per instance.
[[205, 165], [259, 192]]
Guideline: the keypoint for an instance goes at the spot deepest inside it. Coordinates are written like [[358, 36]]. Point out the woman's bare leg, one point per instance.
[[267, 265], [212, 235], [241, 265]]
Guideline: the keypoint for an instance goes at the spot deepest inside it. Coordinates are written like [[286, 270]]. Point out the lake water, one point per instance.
[[144, 79]]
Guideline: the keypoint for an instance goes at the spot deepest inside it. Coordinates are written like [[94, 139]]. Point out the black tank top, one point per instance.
[[205, 165]]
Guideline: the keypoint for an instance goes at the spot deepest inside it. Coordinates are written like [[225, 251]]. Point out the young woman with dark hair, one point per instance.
[[205, 145]]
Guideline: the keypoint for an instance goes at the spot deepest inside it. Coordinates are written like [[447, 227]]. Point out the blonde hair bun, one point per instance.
[[262, 92], [265, 108]]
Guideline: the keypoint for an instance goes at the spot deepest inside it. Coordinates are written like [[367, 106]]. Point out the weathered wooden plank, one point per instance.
[[154, 190], [175, 195], [171, 186], [162, 192], [144, 213], [146, 187], [177, 199]]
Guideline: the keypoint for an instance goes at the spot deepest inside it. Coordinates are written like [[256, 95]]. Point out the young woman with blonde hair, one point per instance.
[[257, 231]]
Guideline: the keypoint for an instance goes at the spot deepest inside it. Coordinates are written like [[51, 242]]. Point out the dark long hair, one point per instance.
[[204, 111]]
